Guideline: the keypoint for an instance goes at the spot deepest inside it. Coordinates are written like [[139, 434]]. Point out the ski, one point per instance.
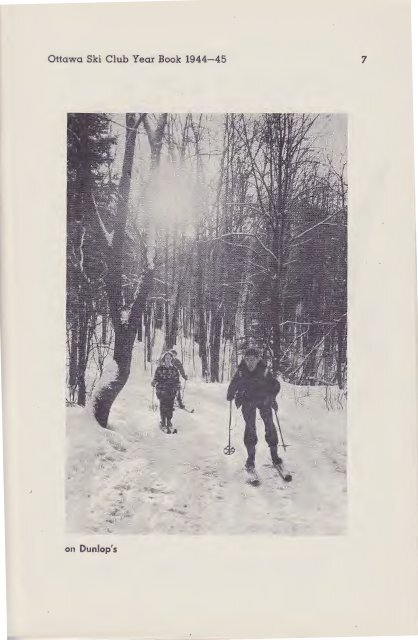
[[282, 472], [253, 478]]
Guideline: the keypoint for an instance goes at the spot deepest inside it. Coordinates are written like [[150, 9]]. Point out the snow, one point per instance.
[[110, 372], [133, 478]]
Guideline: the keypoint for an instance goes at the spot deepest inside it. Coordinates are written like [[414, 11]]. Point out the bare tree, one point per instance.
[[125, 318]]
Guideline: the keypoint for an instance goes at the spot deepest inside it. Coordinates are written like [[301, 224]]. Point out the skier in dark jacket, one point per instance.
[[167, 383], [179, 366], [254, 387]]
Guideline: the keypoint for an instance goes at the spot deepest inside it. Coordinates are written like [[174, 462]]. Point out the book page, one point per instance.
[[209, 319]]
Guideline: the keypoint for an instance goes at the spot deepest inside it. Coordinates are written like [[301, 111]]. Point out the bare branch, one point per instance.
[[123, 126], [317, 345], [314, 226], [237, 244], [74, 134], [309, 324], [248, 235], [254, 169], [286, 351]]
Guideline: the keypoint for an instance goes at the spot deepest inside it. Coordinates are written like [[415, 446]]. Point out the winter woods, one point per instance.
[[209, 231]]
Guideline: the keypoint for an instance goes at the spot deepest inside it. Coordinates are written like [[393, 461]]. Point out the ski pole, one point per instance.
[[280, 431], [228, 450], [154, 408]]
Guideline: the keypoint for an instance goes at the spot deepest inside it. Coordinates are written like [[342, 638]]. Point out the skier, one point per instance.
[[254, 387], [167, 383], [179, 366]]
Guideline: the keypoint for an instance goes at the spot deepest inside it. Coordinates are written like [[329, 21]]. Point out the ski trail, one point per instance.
[[135, 479]]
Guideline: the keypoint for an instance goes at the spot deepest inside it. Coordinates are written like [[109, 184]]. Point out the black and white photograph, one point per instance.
[[206, 323]]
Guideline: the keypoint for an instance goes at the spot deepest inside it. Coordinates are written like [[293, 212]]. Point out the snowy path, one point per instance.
[[136, 479]]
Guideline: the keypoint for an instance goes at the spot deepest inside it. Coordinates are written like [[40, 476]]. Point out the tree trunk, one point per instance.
[[104, 328], [340, 352], [275, 326], [240, 314], [202, 329], [139, 330], [310, 365], [215, 345], [110, 386], [328, 357], [173, 320], [106, 395], [147, 328], [223, 358], [275, 301], [203, 355], [81, 359], [125, 322], [166, 299], [72, 378]]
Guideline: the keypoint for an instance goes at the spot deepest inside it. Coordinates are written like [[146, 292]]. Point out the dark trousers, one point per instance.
[[249, 410], [166, 399]]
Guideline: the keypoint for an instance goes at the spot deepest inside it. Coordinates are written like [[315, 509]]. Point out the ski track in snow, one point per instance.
[[135, 479]]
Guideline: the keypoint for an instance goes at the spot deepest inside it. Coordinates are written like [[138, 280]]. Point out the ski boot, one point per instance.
[[253, 478], [250, 463]]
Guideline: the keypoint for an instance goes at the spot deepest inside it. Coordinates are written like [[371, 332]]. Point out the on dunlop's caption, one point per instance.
[[84, 548]]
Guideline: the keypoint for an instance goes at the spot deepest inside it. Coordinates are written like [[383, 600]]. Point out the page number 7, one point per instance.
[[363, 59]]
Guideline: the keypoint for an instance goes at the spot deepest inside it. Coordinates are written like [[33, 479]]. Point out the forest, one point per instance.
[[208, 232]]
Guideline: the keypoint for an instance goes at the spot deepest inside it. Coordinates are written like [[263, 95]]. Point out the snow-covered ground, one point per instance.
[[135, 479]]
